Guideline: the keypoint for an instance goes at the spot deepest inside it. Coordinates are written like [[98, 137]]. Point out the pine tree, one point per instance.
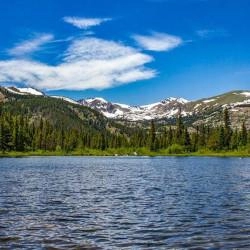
[[227, 129], [179, 129], [187, 140], [195, 139], [221, 138], [103, 142], [170, 137], [152, 136], [21, 137], [202, 136], [234, 140], [213, 140], [5, 136], [243, 137], [15, 134]]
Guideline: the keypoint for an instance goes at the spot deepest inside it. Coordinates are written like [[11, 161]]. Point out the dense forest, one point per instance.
[[25, 133]]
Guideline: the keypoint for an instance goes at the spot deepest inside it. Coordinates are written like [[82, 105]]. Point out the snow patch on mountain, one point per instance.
[[246, 94], [239, 103], [150, 106], [180, 100], [30, 91], [14, 92], [65, 99], [125, 106], [100, 99], [197, 105], [209, 100], [24, 91]]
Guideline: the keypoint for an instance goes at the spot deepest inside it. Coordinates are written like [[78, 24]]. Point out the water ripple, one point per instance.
[[124, 203]]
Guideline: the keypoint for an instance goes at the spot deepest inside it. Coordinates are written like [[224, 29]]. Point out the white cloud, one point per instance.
[[88, 63], [30, 46], [85, 23], [158, 41]]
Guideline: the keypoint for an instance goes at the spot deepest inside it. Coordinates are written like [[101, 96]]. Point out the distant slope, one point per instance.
[[61, 113], [101, 113], [207, 110]]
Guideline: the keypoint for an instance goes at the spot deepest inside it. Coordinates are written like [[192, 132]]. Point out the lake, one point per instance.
[[124, 203]]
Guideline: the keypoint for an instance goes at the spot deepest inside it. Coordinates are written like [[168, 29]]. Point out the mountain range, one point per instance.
[[207, 110]]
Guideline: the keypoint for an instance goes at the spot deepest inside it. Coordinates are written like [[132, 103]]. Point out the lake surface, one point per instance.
[[124, 203]]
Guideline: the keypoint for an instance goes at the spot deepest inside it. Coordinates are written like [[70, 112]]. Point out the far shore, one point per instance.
[[117, 153]]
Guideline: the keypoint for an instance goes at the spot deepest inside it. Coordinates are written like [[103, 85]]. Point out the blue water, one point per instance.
[[124, 203]]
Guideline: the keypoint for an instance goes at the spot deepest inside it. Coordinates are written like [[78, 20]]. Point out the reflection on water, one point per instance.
[[124, 203]]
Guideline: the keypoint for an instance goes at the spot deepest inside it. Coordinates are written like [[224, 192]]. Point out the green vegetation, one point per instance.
[[126, 152], [47, 126]]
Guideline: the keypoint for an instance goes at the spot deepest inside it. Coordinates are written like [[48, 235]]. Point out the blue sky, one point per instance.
[[133, 52]]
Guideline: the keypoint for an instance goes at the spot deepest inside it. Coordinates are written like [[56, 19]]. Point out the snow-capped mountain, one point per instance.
[[204, 110], [32, 91], [208, 110], [164, 109], [24, 91]]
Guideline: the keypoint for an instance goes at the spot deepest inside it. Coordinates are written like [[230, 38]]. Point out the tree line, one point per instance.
[[23, 133], [220, 138]]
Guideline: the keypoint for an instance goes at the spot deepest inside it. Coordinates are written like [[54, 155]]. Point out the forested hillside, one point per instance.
[[40, 123]]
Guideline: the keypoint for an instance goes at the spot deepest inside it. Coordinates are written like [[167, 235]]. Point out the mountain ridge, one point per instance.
[[170, 107], [195, 112]]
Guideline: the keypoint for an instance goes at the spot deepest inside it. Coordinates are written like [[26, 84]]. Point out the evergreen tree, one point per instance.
[[227, 129], [234, 140], [221, 138], [152, 136], [202, 136], [179, 129], [243, 137], [195, 139], [187, 140], [170, 136], [5, 136]]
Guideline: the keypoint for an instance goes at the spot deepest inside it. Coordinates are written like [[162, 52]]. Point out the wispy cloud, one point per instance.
[[30, 46], [85, 23], [158, 41], [88, 63], [211, 33]]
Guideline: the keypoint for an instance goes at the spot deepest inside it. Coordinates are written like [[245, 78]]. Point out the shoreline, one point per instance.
[[97, 153]]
